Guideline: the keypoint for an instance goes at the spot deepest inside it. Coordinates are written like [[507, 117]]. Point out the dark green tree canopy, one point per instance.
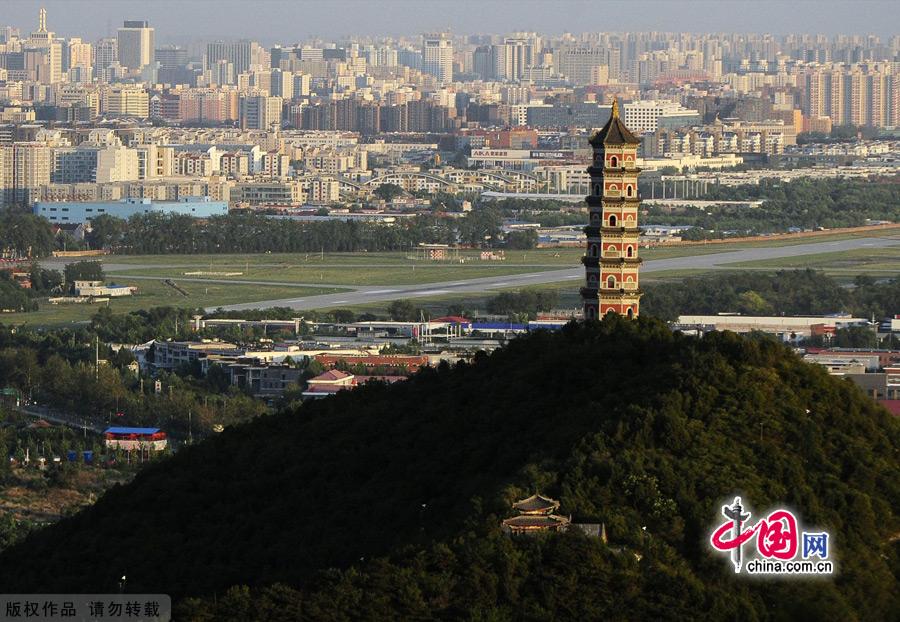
[[384, 502]]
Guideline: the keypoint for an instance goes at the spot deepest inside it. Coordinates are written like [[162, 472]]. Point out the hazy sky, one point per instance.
[[270, 21]]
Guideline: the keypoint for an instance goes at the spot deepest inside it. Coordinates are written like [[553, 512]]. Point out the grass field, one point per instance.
[[875, 262], [358, 275], [392, 268], [303, 274], [153, 293], [567, 292]]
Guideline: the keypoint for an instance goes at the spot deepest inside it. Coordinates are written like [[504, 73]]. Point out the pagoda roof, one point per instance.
[[535, 522], [536, 503], [614, 132], [332, 375]]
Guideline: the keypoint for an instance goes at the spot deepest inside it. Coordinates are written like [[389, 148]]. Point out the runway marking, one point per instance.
[[382, 291], [430, 292]]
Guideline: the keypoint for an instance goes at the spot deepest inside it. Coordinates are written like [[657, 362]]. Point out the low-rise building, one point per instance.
[[334, 381], [130, 439], [786, 327], [394, 362], [92, 289], [263, 379], [78, 212], [173, 354]]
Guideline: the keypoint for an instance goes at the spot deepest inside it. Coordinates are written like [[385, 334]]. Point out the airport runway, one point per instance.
[[375, 293]]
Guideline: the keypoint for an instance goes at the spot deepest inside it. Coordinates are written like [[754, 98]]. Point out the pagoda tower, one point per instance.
[[611, 262]]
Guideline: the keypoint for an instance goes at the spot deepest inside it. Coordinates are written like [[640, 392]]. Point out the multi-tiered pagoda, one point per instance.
[[611, 262], [536, 514]]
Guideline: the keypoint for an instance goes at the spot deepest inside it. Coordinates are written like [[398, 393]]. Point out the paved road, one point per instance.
[[73, 421], [369, 294]]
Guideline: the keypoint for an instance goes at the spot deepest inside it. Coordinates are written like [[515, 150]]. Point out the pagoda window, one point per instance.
[[614, 162], [629, 191], [611, 282], [629, 252], [612, 220], [597, 190], [593, 250], [630, 313]]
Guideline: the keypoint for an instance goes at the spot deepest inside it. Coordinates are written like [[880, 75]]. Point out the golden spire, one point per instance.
[[615, 108]]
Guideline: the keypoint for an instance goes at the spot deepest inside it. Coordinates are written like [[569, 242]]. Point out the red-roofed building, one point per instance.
[[333, 381], [536, 514], [453, 319], [893, 406], [18, 274], [387, 361]]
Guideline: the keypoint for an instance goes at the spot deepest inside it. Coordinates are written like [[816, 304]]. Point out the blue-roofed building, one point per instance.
[[135, 438], [495, 328], [80, 212]]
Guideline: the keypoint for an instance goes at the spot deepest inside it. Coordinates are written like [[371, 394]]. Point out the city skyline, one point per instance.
[[291, 21]]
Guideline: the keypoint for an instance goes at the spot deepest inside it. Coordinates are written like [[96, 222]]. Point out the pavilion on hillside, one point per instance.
[[536, 514]]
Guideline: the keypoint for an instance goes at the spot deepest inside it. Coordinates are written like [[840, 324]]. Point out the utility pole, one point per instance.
[[96, 357]]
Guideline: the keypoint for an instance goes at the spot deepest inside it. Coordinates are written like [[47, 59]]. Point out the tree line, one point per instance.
[[24, 235], [786, 292], [625, 422], [15, 297], [57, 369], [799, 204]]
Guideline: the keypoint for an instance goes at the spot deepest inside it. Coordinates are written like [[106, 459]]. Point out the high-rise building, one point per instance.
[[106, 53], [857, 94], [116, 163], [78, 55], [135, 44], [437, 57], [259, 112], [578, 62], [484, 62], [43, 54], [173, 69], [515, 55], [648, 115], [611, 261], [171, 57], [24, 168], [240, 54], [282, 84], [132, 101]]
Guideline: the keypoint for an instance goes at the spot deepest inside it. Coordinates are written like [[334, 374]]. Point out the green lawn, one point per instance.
[[309, 274], [360, 269], [568, 292], [398, 258], [153, 293], [351, 275], [874, 261]]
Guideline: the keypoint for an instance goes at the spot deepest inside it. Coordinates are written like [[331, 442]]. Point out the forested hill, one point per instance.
[[399, 491]]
